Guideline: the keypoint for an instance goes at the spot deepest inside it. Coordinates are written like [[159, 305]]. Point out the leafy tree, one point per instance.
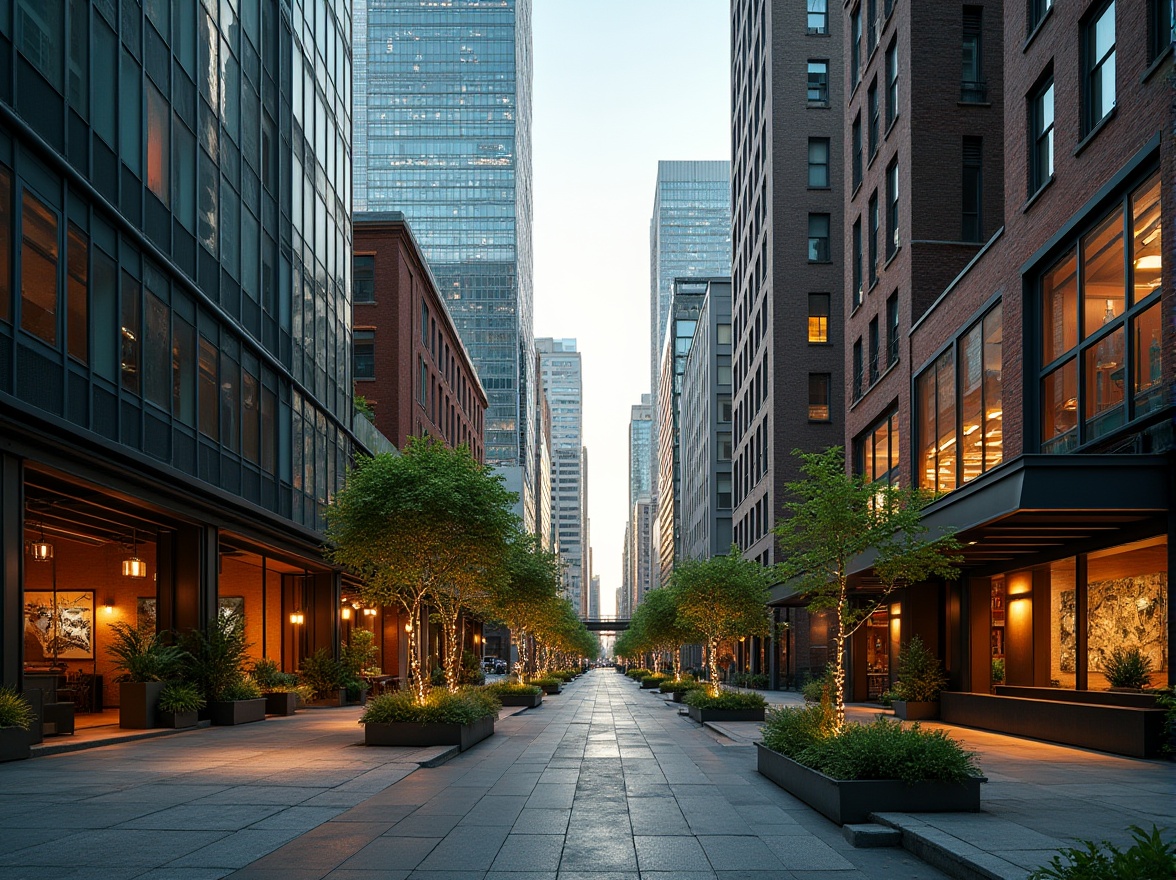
[[658, 627], [723, 597], [533, 577], [835, 518], [428, 526]]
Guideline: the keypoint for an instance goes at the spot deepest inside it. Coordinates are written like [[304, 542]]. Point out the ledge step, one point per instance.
[[870, 835]]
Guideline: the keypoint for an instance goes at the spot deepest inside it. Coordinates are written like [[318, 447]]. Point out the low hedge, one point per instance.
[[702, 698], [545, 681], [513, 688], [440, 706], [638, 674], [882, 750], [681, 686], [657, 678]]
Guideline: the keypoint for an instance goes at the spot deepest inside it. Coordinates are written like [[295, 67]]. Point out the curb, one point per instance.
[[44, 750], [437, 760], [951, 855]]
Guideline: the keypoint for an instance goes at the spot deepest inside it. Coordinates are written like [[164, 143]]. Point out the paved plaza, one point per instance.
[[603, 781]]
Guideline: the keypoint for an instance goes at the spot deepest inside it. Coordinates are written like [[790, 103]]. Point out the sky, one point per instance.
[[617, 86]]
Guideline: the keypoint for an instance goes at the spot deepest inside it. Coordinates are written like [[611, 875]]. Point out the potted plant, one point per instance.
[[679, 689], [516, 694], [16, 716], [920, 679], [442, 718], [358, 656], [706, 705], [998, 670], [326, 677], [277, 687], [239, 702], [145, 661], [652, 682], [849, 772], [1128, 670], [217, 668], [179, 705], [550, 685]]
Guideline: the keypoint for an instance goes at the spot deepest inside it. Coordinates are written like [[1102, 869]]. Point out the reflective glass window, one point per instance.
[[230, 398], [39, 36], [157, 355], [78, 295], [130, 105], [1099, 66], [184, 372], [1103, 290], [38, 269], [158, 145], [104, 323], [818, 162], [5, 245], [131, 334], [1059, 410], [1059, 292], [209, 390]]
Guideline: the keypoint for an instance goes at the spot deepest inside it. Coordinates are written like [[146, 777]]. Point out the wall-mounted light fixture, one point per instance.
[[297, 618], [346, 612], [369, 612], [108, 605], [133, 566], [42, 550]]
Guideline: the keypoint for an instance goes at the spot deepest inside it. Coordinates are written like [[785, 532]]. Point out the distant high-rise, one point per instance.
[[594, 597], [442, 132], [640, 450], [562, 378]]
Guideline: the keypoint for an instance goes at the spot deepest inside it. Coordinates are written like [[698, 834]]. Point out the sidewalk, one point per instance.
[[1039, 797]]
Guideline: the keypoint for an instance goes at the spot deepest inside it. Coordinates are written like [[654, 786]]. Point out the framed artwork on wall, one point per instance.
[[232, 605], [59, 625], [145, 612]]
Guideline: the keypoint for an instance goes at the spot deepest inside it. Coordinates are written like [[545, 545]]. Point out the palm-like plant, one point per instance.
[[141, 654]]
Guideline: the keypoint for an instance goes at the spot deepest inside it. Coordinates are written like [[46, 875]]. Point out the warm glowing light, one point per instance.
[[134, 567], [408, 627], [346, 612], [1150, 262], [896, 609], [477, 638], [369, 612], [297, 618], [41, 551], [108, 605]]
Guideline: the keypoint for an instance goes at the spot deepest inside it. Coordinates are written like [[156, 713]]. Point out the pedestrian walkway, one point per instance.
[[602, 782]]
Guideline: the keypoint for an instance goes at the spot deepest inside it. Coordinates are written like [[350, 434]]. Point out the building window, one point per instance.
[[818, 163], [723, 491], [892, 83], [818, 409], [876, 452], [723, 374], [871, 25], [973, 89], [1161, 27], [38, 268], [5, 245], [1098, 66], [364, 345], [723, 445], [856, 386], [818, 318], [818, 16], [855, 49], [158, 145], [872, 99], [818, 238], [892, 330], [857, 151], [39, 36], [209, 405], [1101, 351], [858, 290], [723, 334], [1037, 11], [818, 82], [422, 382], [363, 283], [1041, 161], [873, 259], [960, 425], [892, 240], [874, 353], [77, 295], [973, 190], [425, 325]]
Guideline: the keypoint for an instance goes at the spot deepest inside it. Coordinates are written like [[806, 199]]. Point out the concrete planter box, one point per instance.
[[704, 715], [531, 701], [361, 701], [551, 689], [413, 733], [679, 695], [910, 710], [650, 685], [178, 720], [225, 713], [14, 744], [851, 801], [329, 702], [281, 703], [138, 703]]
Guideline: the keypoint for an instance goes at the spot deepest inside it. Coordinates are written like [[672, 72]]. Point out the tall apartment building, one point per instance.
[[594, 598], [706, 441], [1037, 351], [443, 134], [642, 553], [640, 450], [175, 324], [685, 307], [561, 374]]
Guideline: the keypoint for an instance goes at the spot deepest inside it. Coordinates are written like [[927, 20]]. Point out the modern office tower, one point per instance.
[[643, 560], [594, 598], [175, 323], [687, 297], [561, 374], [625, 590], [410, 365], [587, 541], [705, 432], [544, 519], [640, 450], [1032, 386], [443, 134]]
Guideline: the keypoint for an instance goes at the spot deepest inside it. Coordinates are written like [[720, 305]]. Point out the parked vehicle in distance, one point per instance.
[[494, 665]]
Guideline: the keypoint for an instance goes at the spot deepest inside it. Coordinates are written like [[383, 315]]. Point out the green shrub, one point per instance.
[[887, 698], [566, 675], [513, 688], [920, 676], [818, 689], [141, 654], [1127, 668], [1166, 700], [655, 680], [180, 696], [882, 750], [998, 670], [15, 710], [359, 653], [682, 686], [791, 731], [755, 680], [325, 675], [701, 698], [464, 707], [545, 681], [1149, 858], [216, 657], [638, 674], [241, 689], [271, 679]]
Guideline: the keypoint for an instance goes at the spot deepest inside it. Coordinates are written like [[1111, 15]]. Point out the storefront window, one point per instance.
[[878, 452], [1127, 601], [1063, 666], [997, 629], [1103, 292], [1059, 294], [1059, 410], [1146, 332]]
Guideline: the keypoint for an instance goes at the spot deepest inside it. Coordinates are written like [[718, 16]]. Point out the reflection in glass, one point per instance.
[[38, 269], [77, 332], [972, 403], [209, 425], [1059, 297], [1146, 335], [993, 404], [1104, 372], [131, 335], [1103, 286], [947, 450], [1059, 408], [1147, 247]]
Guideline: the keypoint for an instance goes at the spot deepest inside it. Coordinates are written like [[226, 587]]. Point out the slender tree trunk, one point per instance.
[[712, 664], [415, 679], [452, 650], [678, 663], [839, 656]]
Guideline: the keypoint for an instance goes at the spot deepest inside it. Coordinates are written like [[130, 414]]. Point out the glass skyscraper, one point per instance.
[[443, 134]]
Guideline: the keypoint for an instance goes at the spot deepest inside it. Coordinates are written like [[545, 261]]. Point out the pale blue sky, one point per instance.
[[618, 86]]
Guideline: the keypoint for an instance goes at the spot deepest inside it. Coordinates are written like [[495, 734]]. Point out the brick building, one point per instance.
[[410, 364], [1027, 375]]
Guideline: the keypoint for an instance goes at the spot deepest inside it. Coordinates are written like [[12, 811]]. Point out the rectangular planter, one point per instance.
[[281, 703], [851, 801], [178, 720], [704, 715], [531, 701], [413, 733], [137, 704], [550, 689], [910, 710], [679, 695], [225, 713], [14, 744], [329, 702], [649, 685]]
